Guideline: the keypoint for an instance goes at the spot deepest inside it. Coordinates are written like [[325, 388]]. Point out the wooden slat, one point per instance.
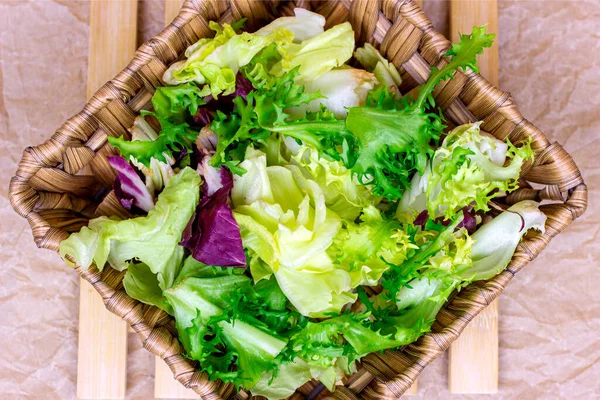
[[465, 14], [473, 366], [102, 348], [172, 8], [165, 386]]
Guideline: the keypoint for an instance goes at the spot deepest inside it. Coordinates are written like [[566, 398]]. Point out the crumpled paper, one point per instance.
[[549, 314]]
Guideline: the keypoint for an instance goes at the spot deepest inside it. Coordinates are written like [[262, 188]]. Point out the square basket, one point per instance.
[[62, 183]]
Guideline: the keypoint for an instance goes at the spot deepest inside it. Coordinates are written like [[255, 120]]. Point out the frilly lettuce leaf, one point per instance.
[[213, 332], [176, 100], [468, 169], [366, 249], [254, 119], [173, 136], [446, 260], [151, 152], [393, 142], [394, 136]]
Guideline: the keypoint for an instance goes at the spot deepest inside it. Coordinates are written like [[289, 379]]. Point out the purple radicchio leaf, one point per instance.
[[179, 155], [242, 86], [125, 200], [213, 235], [214, 179], [204, 115], [129, 187], [422, 218], [469, 221]]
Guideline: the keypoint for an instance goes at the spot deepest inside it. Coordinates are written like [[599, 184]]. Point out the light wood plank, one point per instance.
[[464, 14], [172, 8], [413, 389], [102, 348], [113, 26], [473, 366], [165, 385]]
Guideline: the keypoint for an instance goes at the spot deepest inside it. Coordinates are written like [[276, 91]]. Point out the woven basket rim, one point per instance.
[[74, 146]]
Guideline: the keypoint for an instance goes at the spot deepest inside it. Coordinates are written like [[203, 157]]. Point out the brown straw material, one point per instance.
[[62, 183]]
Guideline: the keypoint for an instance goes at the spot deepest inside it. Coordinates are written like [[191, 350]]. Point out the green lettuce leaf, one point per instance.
[[367, 248], [151, 152], [229, 343], [393, 143], [254, 119], [173, 136], [175, 101], [343, 193], [284, 383], [140, 283], [152, 240], [448, 260], [286, 224]]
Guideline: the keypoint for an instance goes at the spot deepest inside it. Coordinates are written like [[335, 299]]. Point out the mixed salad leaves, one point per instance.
[[294, 213]]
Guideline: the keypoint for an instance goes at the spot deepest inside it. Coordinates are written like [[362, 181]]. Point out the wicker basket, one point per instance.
[[64, 182]]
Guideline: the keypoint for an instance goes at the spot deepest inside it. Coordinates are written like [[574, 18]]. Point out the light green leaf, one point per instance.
[[215, 62], [152, 240], [496, 241], [304, 25], [341, 89], [285, 222], [373, 61], [289, 377], [319, 54]]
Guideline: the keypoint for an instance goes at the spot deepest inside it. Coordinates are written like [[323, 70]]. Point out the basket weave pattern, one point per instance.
[[62, 183]]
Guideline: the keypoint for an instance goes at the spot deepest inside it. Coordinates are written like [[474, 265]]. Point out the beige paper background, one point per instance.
[[550, 313]]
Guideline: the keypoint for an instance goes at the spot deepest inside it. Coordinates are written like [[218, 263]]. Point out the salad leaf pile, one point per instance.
[[294, 213]]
